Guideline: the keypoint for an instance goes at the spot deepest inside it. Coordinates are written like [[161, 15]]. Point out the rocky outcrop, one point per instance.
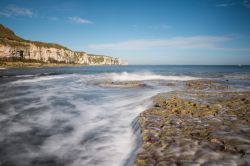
[[20, 49], [55, 55], [205, 123]]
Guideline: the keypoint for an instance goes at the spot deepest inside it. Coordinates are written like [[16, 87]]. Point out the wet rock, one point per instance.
[[123, 84], [175, 122], [157, 105], [206, 85], [198, 128], [165, 163]]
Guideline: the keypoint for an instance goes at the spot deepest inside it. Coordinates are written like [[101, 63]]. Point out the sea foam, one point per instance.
[[125, 76]]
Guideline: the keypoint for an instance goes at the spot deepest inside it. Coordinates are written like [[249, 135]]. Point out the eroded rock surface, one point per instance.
[[196, 127], [123, 84]]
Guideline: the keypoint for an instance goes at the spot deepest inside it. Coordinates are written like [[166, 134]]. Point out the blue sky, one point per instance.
[[140, 31]]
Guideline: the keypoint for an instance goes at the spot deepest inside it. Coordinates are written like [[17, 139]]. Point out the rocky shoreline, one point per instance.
[[205, 123], [34, 65]]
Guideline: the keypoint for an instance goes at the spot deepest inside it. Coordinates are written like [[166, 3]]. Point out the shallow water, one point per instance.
[[63, 116]]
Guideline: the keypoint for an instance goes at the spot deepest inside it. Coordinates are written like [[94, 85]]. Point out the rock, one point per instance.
[[205, 85], [217, 141], [123, 84], [157, 105], [197, 128], [165, 163], [175, 122]]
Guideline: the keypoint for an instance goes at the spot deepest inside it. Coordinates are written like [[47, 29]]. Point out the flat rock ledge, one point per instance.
[[123, 84], [193, 127]]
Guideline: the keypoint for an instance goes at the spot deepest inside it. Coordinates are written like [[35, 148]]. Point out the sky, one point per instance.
[[175, 32]]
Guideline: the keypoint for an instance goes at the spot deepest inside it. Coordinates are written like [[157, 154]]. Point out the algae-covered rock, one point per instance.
[[200, 127], [123, 84]]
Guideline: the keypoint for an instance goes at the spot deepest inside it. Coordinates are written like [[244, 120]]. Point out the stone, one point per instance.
[[197, 128]]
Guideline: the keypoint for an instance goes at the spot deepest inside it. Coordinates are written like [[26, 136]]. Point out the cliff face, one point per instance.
[[55, 55], [14, 47]]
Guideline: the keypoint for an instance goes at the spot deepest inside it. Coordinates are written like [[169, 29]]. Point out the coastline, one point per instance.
[[194, 122], [20, 64], [205, 122], [30, 65]]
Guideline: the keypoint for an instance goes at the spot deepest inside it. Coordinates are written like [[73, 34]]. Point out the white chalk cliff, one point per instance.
[[12, 46]]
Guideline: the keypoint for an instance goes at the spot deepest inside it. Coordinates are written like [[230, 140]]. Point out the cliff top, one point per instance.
[[9, 37], [8, 34]]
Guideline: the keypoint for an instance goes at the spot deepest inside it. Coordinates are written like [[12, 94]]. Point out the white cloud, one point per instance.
[[79, 20], [10, 11], [4, 14], [209, 42]]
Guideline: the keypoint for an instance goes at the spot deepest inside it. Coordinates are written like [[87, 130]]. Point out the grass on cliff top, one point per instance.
[[8, 34], [8, 37], [12, 43], [100, 55], [43, 44]]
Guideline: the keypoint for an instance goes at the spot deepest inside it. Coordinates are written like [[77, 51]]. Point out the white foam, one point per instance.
[[24, 76], [99, 118], [38, 79], [147, 76], [17, 127]]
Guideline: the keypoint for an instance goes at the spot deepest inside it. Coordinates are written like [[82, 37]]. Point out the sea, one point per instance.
[[87, 116]]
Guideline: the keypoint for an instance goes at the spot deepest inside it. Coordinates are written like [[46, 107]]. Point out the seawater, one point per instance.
[[65, 116]]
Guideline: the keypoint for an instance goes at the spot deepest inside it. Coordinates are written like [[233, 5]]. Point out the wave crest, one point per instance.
[[124, 76]]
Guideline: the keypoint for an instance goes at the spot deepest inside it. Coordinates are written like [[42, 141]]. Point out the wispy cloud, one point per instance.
[[11, 11], [226, 5], [231, 3], [79, 20], [234, 49], [246, 3], [209, 42]]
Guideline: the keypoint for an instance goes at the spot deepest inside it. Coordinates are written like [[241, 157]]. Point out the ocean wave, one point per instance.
[[20, 76], [38, 79], [147, 76]]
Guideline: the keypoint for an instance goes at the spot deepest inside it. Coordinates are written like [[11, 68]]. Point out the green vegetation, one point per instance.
[[12, 43], [19, 59], [20, 64], [97, 59], [100, 55], [48, 45], [8, 34], [8, 37], [52, 60]]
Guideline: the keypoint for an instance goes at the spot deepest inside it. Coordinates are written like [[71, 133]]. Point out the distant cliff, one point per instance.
[[14, 48]]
